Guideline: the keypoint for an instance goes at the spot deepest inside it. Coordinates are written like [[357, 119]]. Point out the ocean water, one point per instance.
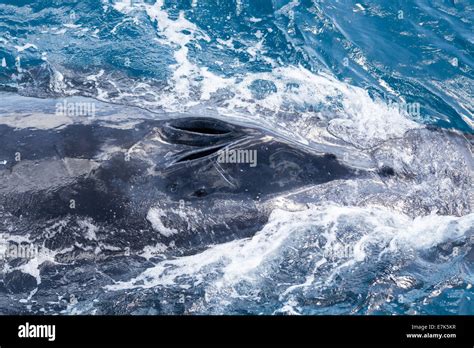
[[358, 75], [245, 56]]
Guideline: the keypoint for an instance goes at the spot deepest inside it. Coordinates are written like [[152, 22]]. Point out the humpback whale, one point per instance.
[[103, 202], [154, 174]]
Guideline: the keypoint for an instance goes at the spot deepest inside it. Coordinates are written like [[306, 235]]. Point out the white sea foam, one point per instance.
[[154, 216], [89, 227], [185, 73], [360, 120], [368, 233], [35, 254], [349, 112], [25, 47]]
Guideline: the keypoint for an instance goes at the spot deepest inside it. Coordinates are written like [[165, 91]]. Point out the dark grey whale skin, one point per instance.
[[179, 165], [119, 174]]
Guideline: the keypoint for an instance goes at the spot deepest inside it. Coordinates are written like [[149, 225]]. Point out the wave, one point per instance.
[[280, 61], [328, 259]]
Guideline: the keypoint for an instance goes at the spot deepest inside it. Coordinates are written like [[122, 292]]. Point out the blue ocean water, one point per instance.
[[404, 51], [365, 71]]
